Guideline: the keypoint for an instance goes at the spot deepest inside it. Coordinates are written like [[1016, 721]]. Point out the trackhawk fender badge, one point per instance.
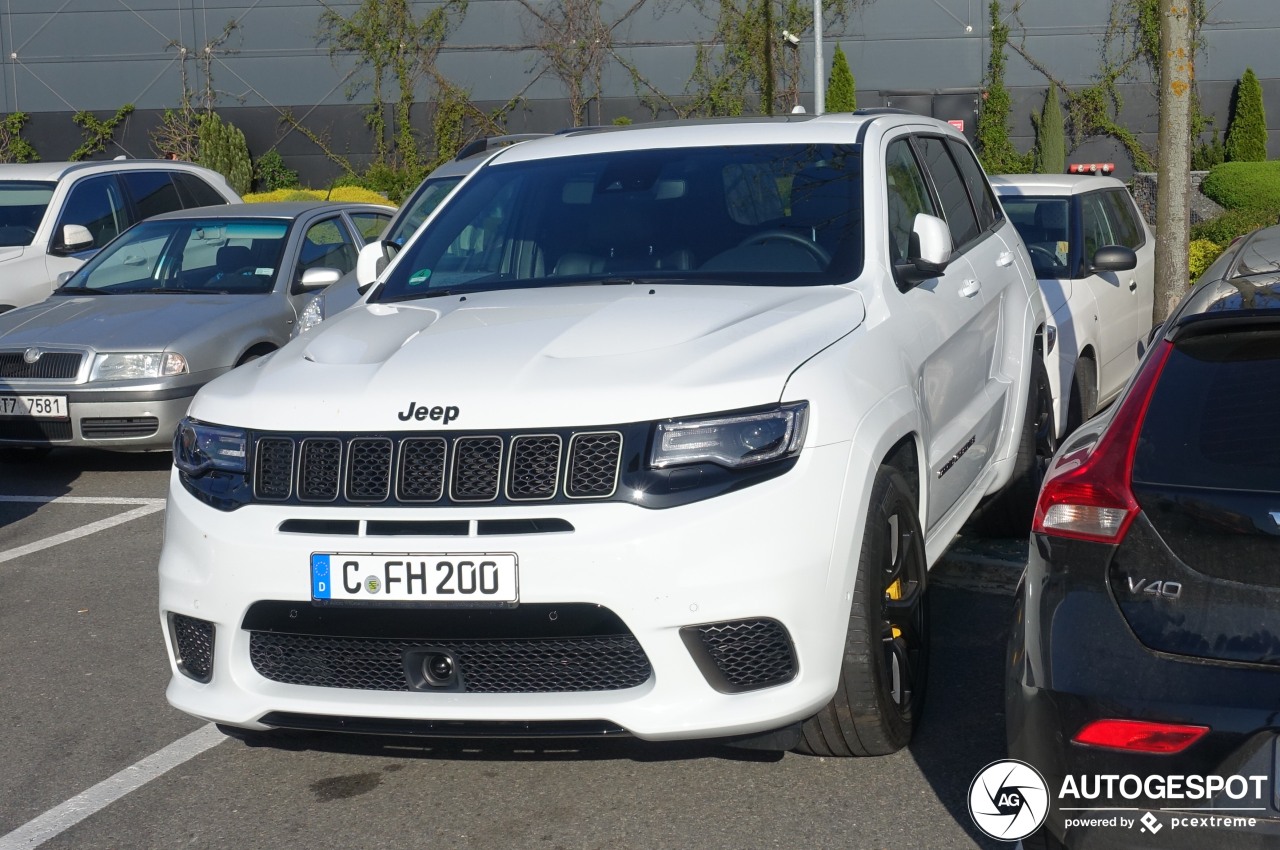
[[421, 412], [946, 467]]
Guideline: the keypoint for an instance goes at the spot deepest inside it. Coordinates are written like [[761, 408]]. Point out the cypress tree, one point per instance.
[[1051, 142], [223, 149], [842, 95], [1247, 132]]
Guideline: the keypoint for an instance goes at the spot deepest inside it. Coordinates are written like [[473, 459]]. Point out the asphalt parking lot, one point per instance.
[[95, 757]]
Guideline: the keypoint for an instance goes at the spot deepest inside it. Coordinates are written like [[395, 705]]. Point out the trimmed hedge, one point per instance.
[[345, 194], [1231, 224], [1245, 185]]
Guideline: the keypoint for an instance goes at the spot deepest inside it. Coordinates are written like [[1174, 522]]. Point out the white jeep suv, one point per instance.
[[650, 431]]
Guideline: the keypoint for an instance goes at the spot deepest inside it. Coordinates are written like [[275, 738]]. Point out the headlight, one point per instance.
[[121, 367], [199, 448], [311, 315], [735, 441]]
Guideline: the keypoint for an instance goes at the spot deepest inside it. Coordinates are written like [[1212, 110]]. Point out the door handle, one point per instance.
[[1005, 260], [970, 287]]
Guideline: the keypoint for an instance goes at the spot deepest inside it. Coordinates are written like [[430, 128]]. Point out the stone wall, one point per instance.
[[1144, 192]]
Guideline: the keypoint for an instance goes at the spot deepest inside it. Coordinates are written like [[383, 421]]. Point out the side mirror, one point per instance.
[[1114, 258], [318, 278], [372, 260], [62, 278], [75, 237], [929, 252]]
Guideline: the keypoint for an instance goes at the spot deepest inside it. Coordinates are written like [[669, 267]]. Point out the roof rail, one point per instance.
[[488, 143]]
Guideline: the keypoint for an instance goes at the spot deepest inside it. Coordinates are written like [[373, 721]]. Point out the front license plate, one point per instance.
[[34, 406], [438, 577]]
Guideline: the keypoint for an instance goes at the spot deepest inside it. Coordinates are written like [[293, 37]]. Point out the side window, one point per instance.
[[152, 192], [907, 196], [370, 224], [327, 245], [1124, 219], [195, 192], [135, 264], [1097, 230], [95, 203], [976, 181], [951, 190]]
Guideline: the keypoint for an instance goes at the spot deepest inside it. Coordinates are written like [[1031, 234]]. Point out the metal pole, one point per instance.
[[819, 81]]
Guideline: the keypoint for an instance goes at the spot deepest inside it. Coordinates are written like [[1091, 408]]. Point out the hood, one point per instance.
[[143, 322], [593, 355]]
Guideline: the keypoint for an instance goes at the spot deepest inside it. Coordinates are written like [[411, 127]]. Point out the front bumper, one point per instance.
[[120, 420], [781, 549]]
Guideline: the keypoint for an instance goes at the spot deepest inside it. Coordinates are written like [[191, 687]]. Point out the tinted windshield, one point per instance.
[[417, 208], [777, 215], [239, 256], [1045, 226], [22, 205]]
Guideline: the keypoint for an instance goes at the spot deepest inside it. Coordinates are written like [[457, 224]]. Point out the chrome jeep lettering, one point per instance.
[[420, 413]]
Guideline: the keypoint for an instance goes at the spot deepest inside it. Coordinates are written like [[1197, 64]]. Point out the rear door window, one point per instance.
[[976, 182], [152, 192]]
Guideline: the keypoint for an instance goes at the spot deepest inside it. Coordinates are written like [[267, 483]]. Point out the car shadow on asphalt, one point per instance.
[[962, 730], [50, 476]]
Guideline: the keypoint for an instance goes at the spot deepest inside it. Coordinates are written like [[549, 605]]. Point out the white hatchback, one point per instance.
[[1095, 259]]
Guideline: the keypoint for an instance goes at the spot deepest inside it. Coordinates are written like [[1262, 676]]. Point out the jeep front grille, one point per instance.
[[417, 469]]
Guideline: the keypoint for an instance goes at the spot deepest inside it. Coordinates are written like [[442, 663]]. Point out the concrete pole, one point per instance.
[[819, 81]]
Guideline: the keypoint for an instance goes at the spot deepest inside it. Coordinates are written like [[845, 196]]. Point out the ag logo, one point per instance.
[[1008, 800]]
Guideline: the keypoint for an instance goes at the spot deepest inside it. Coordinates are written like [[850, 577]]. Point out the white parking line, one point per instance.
[[145, 508], [63, 817]]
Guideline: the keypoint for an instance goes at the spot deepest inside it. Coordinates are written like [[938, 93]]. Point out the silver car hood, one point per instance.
[[142, 322]]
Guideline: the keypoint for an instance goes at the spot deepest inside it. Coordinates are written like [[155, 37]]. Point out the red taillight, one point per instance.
[[1086, 494], [1140, 736]]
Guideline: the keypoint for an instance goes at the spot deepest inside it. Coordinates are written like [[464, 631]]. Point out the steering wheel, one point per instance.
[[819, 253], [1047, 258]]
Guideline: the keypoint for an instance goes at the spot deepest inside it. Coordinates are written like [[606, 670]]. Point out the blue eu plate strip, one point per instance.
[[320, 583]]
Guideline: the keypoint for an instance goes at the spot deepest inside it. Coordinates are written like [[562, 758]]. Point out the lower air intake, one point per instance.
[[557, 665], [193, 646], [742, 655]]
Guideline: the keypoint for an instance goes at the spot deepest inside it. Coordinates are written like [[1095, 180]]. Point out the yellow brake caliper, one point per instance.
[[894, 591]]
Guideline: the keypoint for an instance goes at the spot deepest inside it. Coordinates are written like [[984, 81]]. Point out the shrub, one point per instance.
[[1245, 185], [1247, 132], [270, 173], [1051, 141], [223, 148], [1201, 255], [842, 94], [345, 194], [1231, 224], [1206, 155]]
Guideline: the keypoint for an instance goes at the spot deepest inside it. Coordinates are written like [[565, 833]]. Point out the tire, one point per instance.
[[1082, 403], [886, 652], [1009, 512]]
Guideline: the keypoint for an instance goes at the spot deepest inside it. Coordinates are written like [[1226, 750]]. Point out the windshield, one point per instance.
[[417, 208], [769, 215], [211, 256], [1045, 226], [22, 205]]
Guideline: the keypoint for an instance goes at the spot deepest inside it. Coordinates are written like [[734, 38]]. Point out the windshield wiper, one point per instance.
[[78, 290]]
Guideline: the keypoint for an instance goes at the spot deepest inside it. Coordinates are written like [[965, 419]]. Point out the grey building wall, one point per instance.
[[57, 58]]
